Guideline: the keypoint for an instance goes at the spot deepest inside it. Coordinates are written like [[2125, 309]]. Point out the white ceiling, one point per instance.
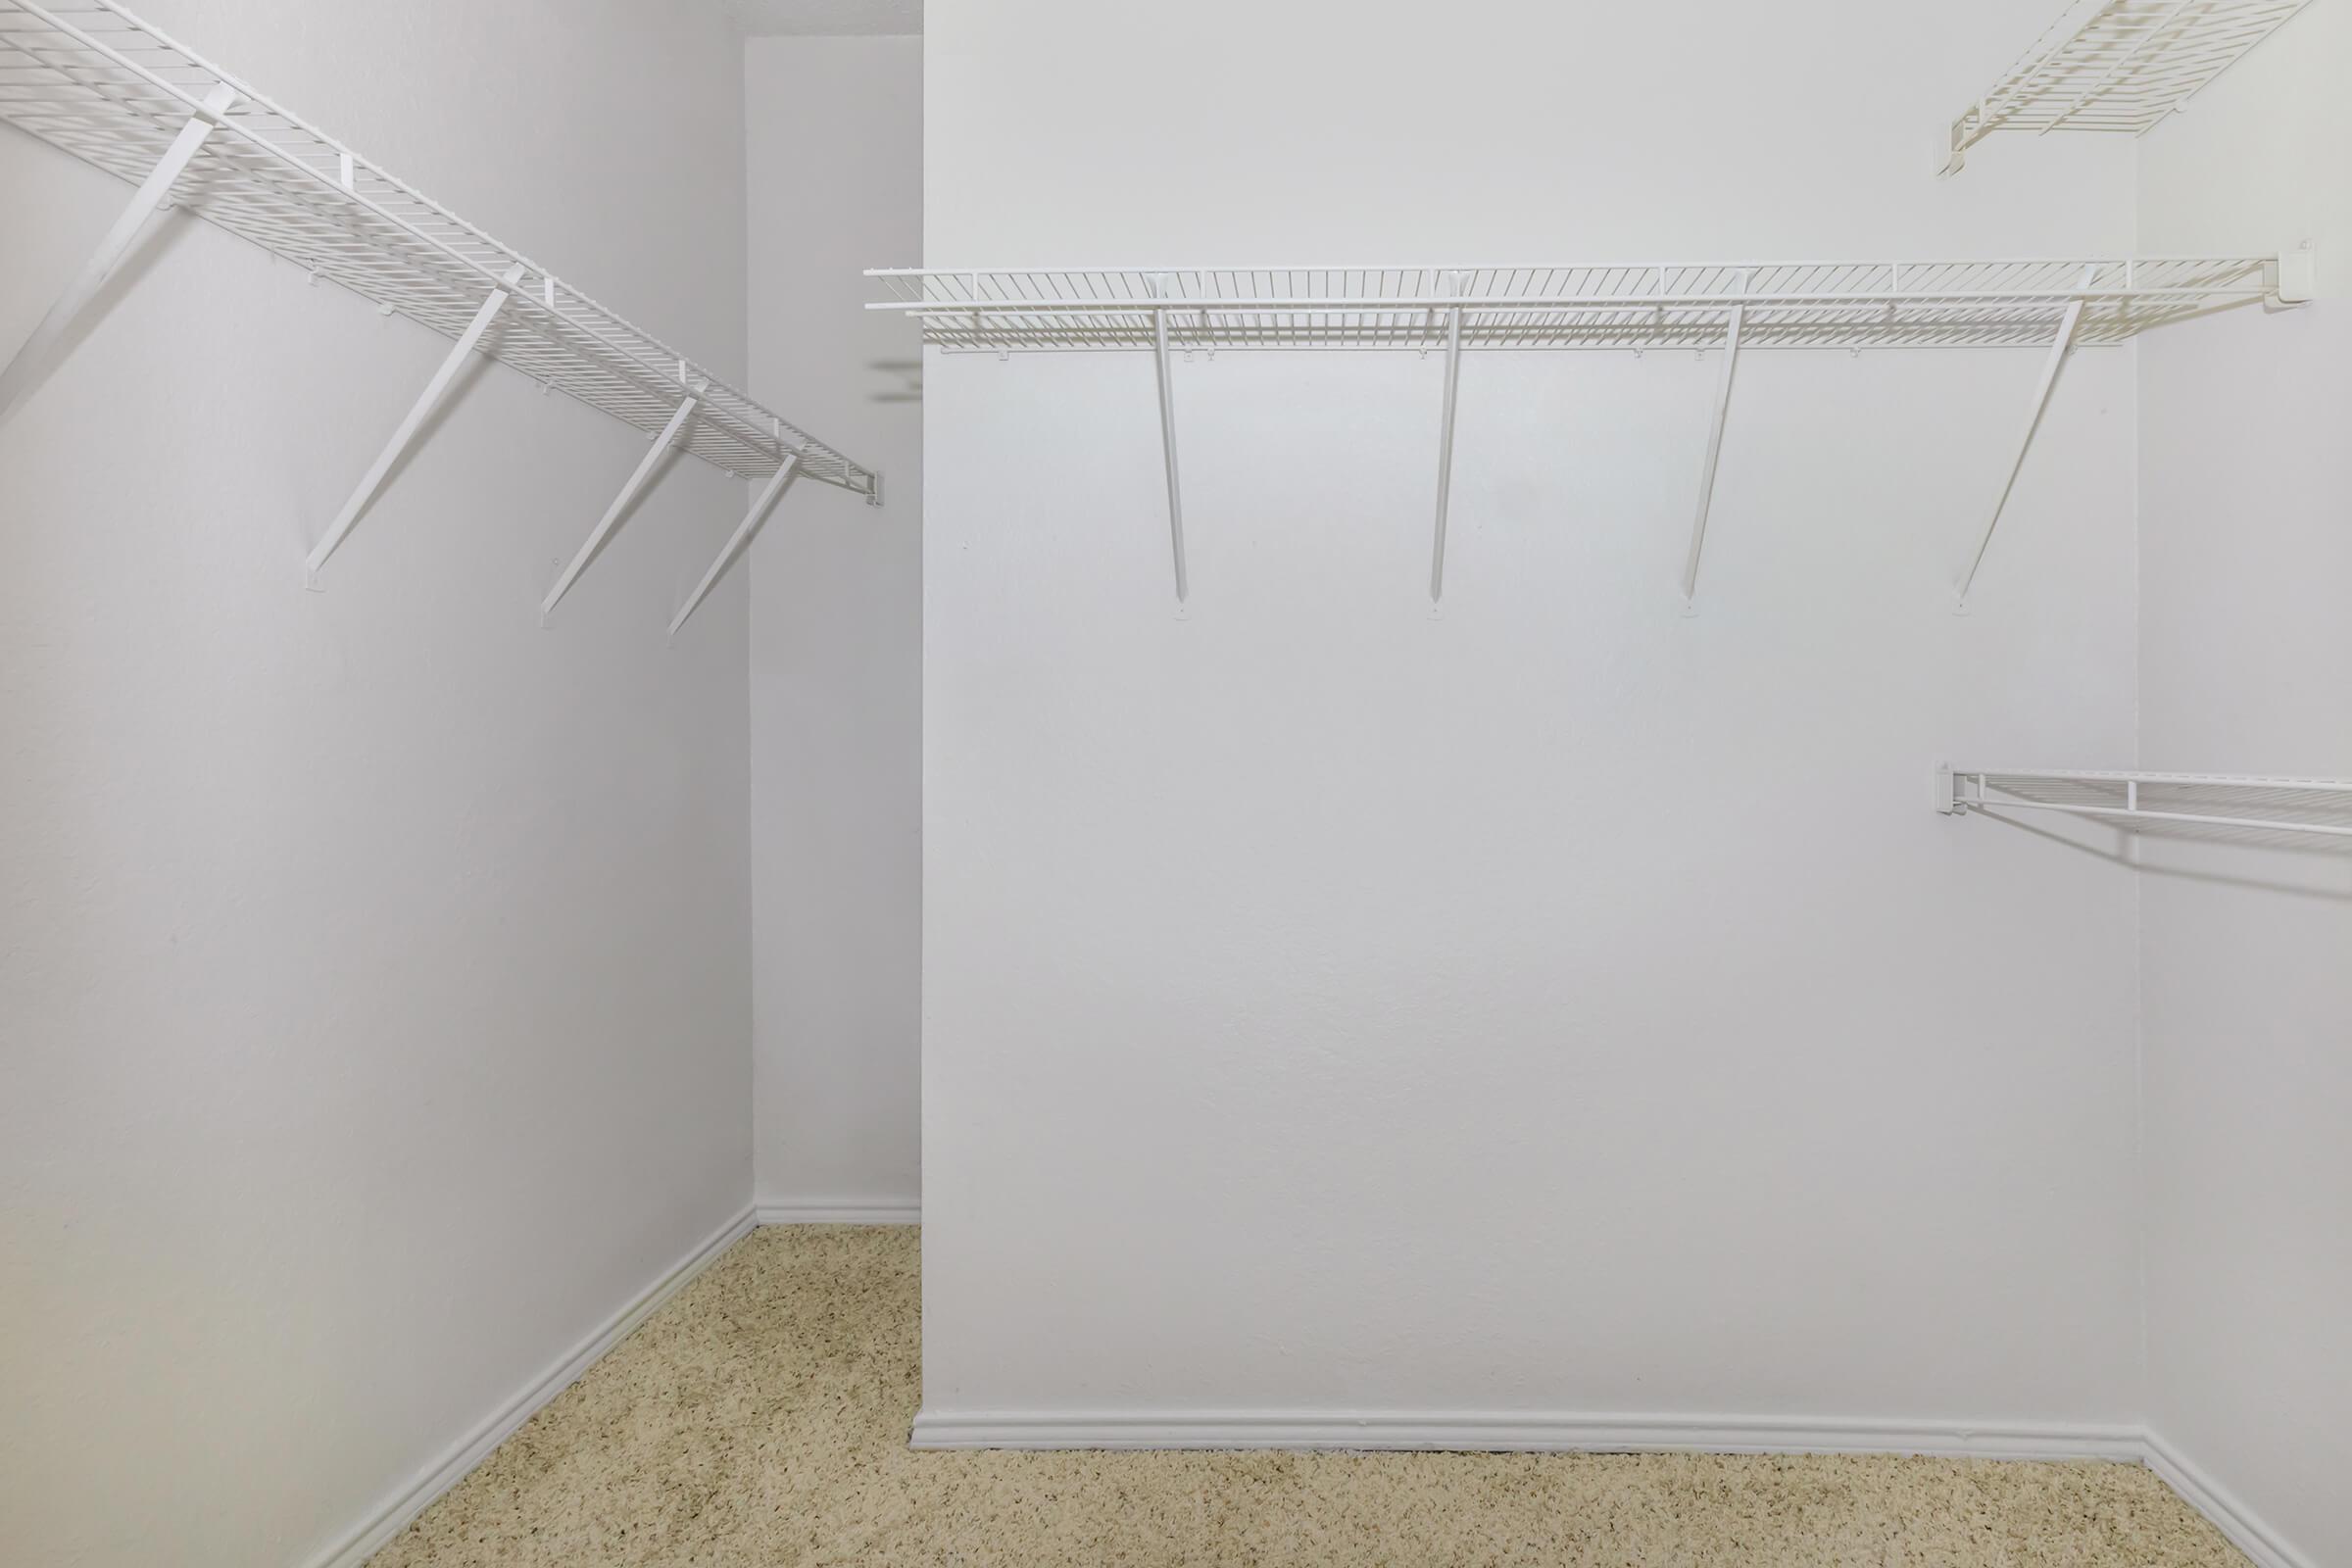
[[806, 18]]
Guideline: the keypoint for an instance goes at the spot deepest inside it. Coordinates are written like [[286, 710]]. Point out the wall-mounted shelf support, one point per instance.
[[1454, 382], [1706, 479], [619, 506], [420, 410], [2311, 807], [1167, 441], [2064, 340], [737, 540], [35, 352]]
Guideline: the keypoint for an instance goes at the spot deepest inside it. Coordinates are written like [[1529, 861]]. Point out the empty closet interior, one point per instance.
[[1538, 729]]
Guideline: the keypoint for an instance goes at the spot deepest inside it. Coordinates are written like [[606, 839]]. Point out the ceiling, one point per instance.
[[813, 18]]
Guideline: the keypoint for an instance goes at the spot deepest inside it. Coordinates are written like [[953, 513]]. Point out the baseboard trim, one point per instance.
[[1548, 1432], [396, 1512], [2245, 1528], [1517, 1431], [839, 1211]]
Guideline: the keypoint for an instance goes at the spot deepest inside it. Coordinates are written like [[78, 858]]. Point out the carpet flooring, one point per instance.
[[761, 1417]]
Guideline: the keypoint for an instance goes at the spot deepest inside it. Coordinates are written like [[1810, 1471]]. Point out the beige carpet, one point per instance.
[[760, 1418]]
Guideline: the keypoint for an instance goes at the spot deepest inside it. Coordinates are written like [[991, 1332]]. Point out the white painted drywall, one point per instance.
[[828, 17], [2246, 496], [835, 130], [1561, 1006], [375, 964]]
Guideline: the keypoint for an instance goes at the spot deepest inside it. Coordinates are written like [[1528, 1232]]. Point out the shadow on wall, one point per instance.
[[908, 375], [145, 253], [2331, 858]]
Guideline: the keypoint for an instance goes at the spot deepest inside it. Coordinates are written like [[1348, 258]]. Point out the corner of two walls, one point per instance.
[[2245, 484], [834, 135]]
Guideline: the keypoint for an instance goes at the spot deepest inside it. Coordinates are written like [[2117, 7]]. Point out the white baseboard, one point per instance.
[[394, 1514], [1517, 1431], [1546, 1432], [838, 1212], [2248, 1533]]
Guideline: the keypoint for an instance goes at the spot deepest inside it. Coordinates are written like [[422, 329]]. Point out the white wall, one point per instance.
[[835, 128], [2246, 491], [375, 963], [1562, 1005]]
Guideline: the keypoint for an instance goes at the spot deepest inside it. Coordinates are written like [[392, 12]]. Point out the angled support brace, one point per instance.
[[736, 541], [1167, 439], [620, 505], [426, 402], [1453, 378], [16, 379], [2041, 398], [1706, 477]]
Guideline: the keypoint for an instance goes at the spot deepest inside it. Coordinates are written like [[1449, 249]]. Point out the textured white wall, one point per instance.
[[375, 964], [2246, 496], [836, 177], [1562, 1005]]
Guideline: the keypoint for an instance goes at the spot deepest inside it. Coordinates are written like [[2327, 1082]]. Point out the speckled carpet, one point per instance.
[[761, 1417]]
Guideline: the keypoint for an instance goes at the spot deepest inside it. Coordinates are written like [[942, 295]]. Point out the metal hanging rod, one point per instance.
[[2116, 66], [93, 78], [2056, 304], [2293, 806]]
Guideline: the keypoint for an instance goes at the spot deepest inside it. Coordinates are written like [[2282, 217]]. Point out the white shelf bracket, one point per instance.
[[1706, 477], [620, 505], [1453, 378], [1167, 439], [2297, 274], [1946, 791], [741, 537], [426, 402], [2041, 398], [17, 376]]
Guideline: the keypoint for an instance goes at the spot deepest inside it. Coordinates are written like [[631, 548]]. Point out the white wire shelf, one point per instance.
[[2175, 802], [93, 78], [2055, 304], [1686, 305], [2118, 65]]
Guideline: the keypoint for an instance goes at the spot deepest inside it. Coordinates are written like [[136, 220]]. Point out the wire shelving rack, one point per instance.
[[93, 78], [2175, 802], [1673, 305], [2055, 304], [2118, 65]]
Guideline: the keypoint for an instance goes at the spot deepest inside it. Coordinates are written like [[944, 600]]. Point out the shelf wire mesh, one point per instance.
[[91, 78], [1848, 305], [2313, 813], [2120, 64]]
